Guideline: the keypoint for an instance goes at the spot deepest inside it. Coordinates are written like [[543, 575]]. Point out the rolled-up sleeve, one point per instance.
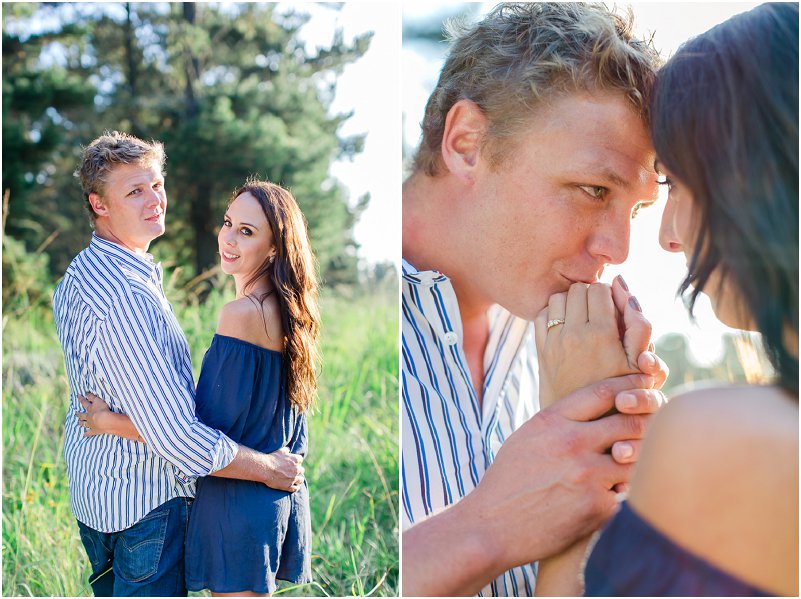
[[135, 345]]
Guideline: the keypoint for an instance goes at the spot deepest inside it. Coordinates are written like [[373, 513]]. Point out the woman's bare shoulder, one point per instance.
[[261, 325], [718, 475]]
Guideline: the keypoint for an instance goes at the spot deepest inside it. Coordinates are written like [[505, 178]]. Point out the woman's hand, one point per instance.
[[94, 418], [98, 419], [597, 331]]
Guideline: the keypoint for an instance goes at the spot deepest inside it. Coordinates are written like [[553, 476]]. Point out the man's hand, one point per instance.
[[279, 470], [552, 483], [286, 470]]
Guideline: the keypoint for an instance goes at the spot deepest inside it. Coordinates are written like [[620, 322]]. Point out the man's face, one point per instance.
[[135, 203], [560, 205]]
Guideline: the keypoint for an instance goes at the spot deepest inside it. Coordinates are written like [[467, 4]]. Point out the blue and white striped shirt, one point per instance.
[[449, 440], [122, 342]]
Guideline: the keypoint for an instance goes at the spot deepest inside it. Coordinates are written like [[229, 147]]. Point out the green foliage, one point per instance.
[[352, 467], [230, 89], [26, 280]]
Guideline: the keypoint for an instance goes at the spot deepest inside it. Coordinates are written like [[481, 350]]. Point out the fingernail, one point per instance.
[[634, 303], [624, 451], [650, 359], [622, 283], [626, 400]]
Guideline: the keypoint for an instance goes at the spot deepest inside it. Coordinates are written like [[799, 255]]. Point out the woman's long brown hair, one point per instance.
[[293, 274]]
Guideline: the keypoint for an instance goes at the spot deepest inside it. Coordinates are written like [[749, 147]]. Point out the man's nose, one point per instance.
[[610, 240], [153, 197]]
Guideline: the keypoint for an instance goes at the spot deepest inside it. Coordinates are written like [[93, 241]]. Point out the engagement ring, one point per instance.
[[552, 323]]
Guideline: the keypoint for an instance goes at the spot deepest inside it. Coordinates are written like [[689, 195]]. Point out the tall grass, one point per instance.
[[352, 466]]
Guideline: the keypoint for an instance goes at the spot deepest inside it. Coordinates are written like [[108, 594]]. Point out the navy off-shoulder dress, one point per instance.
[[633, 559], [244, 535]]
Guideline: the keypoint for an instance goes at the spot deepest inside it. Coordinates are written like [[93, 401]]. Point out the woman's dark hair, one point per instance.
[[724, 119], [294, 279]]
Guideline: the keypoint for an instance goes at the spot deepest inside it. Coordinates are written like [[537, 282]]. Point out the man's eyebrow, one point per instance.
[[138, 181], [604, 172]]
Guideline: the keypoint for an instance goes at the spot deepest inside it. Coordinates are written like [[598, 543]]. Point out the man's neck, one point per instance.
[[107, 234], [427, 246]]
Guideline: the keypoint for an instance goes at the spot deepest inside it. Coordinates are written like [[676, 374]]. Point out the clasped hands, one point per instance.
[[594, 332]]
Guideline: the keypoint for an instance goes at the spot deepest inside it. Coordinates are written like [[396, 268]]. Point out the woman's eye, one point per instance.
[[226, 223], [247, 232], [668, 182], [594, 191]]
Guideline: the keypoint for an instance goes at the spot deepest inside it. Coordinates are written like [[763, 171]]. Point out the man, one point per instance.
[[122, 342], [535, 157]]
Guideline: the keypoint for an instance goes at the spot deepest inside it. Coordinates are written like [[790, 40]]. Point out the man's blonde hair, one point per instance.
[[523, 53]]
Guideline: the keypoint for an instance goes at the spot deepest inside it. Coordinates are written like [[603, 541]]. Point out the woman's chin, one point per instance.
[[731, 315]]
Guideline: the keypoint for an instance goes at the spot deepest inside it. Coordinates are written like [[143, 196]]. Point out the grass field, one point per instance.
[[352, 466]]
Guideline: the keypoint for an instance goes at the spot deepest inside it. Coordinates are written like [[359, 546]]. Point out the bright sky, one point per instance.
[[652, 274], [370, 87]]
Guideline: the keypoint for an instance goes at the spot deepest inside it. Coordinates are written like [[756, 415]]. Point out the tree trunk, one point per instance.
[[132, 69], [191, 67], [201, 215], [203, 221]]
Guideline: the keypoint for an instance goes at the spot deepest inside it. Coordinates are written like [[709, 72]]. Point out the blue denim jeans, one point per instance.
[[144, 560]]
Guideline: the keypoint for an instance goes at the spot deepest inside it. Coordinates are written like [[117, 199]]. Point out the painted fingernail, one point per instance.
[[635, 304], [626, 400], [622, 283]]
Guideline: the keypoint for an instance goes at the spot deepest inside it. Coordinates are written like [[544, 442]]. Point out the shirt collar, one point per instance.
[[142, 264], [421, 277]]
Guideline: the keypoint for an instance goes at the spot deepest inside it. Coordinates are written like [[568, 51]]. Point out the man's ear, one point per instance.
[[465, 127], [98, 204]]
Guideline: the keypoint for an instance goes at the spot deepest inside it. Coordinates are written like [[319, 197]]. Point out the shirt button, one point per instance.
[[450, 338], [427, 280]]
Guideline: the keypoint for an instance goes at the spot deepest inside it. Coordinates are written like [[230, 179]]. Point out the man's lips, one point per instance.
[[155, 217], [585, 280]]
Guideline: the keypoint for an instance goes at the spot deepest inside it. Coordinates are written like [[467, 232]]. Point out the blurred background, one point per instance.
[[306, 95], [695, 350]]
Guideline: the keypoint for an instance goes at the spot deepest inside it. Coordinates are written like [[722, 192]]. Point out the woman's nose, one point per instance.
[[667, 231]]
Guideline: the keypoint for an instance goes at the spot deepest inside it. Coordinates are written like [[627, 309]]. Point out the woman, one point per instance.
[[256, 385], [713, 505]]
